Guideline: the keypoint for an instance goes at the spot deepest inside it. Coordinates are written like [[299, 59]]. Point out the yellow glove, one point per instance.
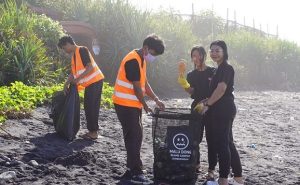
[[183, 82], [199, 107]]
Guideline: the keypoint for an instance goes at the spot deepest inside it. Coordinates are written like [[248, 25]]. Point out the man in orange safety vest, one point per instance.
[[86, 74], [131, 87]]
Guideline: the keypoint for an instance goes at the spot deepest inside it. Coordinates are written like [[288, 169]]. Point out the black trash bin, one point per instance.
[[175, 146]]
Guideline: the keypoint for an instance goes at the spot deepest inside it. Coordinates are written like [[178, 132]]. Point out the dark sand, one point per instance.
[[266, 132]]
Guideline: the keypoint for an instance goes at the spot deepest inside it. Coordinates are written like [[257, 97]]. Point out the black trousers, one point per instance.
[[200, 125], [209, 135], [130, 119], [92, 99], [224, 146]]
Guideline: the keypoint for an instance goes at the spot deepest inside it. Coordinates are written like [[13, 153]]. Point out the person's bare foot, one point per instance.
[[210, 174], [236, 181], [239, 180], [90, 135]]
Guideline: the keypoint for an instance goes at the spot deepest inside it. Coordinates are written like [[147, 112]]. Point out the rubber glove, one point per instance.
[[183, 82], [199, 107]]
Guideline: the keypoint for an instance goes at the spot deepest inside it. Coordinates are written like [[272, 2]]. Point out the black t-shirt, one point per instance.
[[224, 73], [84, 54], [199, 81], [132, 68]]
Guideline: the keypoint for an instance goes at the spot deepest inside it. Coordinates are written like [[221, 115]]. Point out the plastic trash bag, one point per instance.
[[66, 113], [175, 146]]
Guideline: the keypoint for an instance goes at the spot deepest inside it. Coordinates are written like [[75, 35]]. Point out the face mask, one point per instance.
[[96, 50], [149, 58]]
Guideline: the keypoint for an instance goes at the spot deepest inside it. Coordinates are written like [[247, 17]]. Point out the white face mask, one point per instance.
[[149, 57], [96, 50]]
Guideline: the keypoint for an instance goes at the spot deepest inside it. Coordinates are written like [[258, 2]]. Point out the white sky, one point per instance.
[[284, 13]]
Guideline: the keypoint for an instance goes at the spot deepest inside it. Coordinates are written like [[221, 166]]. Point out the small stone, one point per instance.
[[5, 158], [33, 163], [19, 163], [8, 175], [61, 167], [13, 163]]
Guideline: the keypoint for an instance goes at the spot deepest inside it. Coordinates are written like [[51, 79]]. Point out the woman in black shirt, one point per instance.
[[222, 109], [197, 85]]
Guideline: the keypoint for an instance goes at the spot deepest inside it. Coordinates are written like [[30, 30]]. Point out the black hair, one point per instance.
[[201, 51], [64, 40], [155, 43], [223, 45]]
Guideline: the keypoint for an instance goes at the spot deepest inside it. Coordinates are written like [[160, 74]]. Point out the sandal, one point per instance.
[[198, 170], [88, 137], [210, 175], [231, 181]]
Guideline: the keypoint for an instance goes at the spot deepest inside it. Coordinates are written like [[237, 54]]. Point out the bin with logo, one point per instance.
[[175, 145]]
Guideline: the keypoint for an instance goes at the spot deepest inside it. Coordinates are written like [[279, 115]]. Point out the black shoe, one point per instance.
[[126, 176], [140, 179]]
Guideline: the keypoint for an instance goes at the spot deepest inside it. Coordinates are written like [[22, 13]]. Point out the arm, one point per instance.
[[189, 90], [203, 106], [139, 94], [153, 96], [226, 78], [150, 92], [217, 94], [133, 75], [67, 83]]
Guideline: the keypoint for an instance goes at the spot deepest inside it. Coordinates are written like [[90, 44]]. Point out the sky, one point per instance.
[[268, 13]]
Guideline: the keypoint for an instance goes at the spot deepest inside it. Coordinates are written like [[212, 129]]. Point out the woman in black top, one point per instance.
[[197, 85], [222, 109]]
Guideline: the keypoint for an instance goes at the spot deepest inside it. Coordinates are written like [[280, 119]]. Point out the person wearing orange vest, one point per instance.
[[130, 88], [86, 74]]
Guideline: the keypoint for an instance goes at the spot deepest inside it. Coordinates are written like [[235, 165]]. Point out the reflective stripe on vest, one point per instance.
[[125, 96], [78, 68], [127, 85], [124, 91], [79, 72]]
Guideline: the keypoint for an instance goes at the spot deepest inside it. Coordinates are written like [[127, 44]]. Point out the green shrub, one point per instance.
[[263, 63], [106, 98], [207, 25], [18, 100], [24, 49], [260, 62]]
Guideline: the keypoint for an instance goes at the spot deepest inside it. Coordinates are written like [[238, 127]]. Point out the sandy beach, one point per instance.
[[266, 132]]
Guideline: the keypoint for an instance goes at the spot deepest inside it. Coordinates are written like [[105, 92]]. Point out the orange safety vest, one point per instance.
[[78, 68], [124, 93]]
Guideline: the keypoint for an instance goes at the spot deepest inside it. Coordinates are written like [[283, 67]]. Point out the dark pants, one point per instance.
[[200, 125], [224, 146], [210, 140], [92, 99], [197, 127], [130, 119]]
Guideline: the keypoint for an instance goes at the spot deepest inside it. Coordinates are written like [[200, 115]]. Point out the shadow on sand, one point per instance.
[[51, 146]]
